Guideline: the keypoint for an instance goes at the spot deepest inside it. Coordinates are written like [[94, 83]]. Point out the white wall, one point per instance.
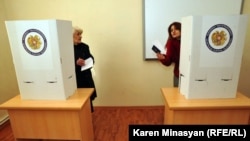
[[244, 81], [8, 83]]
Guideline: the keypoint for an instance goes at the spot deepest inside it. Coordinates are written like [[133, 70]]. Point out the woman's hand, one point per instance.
[[80, 62], [160, 56]]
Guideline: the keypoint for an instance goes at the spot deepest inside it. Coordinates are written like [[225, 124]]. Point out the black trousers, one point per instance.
[[84, 80]]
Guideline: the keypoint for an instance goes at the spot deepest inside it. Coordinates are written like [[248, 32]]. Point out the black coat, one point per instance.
[[84, 78]]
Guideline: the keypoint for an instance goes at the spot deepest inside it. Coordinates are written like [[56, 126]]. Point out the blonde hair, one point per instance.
[[77, 29]]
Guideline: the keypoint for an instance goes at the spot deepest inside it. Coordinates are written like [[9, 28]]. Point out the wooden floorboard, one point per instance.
[[110, 123]]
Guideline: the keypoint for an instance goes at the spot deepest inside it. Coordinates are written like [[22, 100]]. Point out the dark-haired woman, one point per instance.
[[172, 46]]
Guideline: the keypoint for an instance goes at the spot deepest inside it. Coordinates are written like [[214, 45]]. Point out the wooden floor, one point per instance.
[[110, 123]]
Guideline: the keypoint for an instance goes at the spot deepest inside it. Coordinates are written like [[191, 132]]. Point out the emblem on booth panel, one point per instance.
[[219, 38], [34, 42]]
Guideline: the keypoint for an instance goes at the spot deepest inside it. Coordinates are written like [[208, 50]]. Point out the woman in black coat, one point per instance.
[[84, 78]]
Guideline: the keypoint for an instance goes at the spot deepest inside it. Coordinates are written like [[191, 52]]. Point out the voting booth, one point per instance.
[[211, 53], [43, 57]]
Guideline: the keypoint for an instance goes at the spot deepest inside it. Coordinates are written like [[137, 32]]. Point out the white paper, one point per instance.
[[88, 64], [158, 44]]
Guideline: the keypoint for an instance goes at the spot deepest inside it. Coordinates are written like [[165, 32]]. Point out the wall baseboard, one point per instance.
[[4, 119], [129, 107]]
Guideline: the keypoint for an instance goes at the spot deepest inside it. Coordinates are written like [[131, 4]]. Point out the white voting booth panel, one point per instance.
[[211, 53], [43, 57]]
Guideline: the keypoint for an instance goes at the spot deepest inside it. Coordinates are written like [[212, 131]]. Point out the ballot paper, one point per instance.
[[88, 64], [158, 44]]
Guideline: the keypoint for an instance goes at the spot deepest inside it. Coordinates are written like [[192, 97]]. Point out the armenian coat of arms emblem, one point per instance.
[[219, 38], [34, 42]]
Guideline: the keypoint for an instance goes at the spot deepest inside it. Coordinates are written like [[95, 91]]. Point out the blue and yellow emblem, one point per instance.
[[34, 42], [219, 38]]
